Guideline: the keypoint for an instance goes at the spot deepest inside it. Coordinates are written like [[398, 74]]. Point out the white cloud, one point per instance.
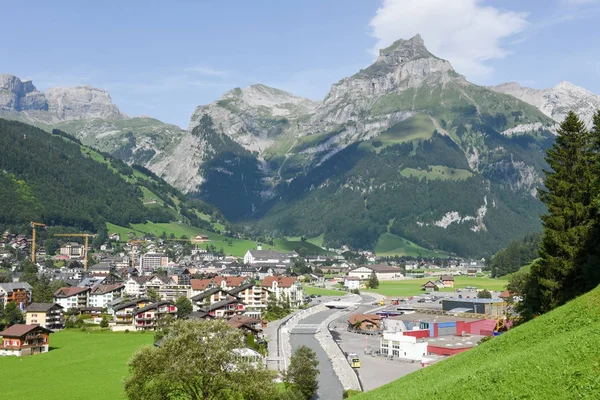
[[465, 32], [208, 71]]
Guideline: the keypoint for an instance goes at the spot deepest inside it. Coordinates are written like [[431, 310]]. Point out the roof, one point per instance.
[[143, 279], [220, 304], [230, 281], [70, 291], [101, 266], [102, 289], [200, 284], [352, 278], [241, 288], [208, 292], [19, 330], [429, 284], [354, 318], [239, 320], [41, 307], [155, 305], [380, 268], [9, 287], [447, 278], [132, 303], [200, 315], [475, 300], [282, 281]]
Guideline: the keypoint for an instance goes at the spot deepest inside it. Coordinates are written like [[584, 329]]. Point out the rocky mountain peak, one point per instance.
[[402, 51], [17, 95], [82, 102]]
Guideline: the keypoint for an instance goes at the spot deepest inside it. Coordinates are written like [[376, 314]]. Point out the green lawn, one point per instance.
[[411, 287], [323, 292], [555, 356], [393, 245], [80, 365]]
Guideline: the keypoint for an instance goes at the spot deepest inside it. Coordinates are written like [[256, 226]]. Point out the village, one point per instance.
[[145, 284]]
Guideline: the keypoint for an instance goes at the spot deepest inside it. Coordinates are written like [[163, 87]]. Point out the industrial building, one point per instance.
[[476, 306]]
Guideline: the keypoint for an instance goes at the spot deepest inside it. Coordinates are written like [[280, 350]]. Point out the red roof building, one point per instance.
[[24, 340]]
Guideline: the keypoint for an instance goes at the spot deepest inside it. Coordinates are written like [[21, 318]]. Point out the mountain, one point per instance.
[[515, 364], [557, 101], [89, 114], [54, 179]]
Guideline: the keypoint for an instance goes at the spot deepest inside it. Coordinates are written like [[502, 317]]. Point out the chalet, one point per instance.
[[47, 315], [72, 297], [255, 297], [430, 286], [383, 271], [364, 322], [352, 282], [123, 312], [447, 280], [101, 295], [24, 340], [209, 296], [16, 292], [225, 308], [285, 288], [148, 317]]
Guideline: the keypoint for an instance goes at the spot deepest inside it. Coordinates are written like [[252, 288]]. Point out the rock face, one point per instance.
[[557, 101], [57, 104], [16, 95], [81, 102]]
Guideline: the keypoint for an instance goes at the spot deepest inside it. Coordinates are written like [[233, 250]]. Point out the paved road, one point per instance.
[[330, 387], [374, 371]]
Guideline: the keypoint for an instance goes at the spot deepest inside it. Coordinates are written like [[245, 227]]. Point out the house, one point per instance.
[[285, 289], [16, 292], [396, 344], [260, 256], [255, 297], [72, 250], [200, 315], [352, 282], [364, 322], [72, 297], [24, 340], [209, 296], [173, 292], [383, 271], [200, 285], [225, 308], [229, 282], [123, 312], [136, 285], [447, 280], [430, 286], [150, 316], [47, 315], [115, 236], [246, 324], [150, 262], [101, 295], [102, 268]]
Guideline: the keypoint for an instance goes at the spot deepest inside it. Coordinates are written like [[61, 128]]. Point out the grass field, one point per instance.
[[418, 127], [392, 245], [411, 287], [80, 365], [440, 172], [555, 356], [323, 292]]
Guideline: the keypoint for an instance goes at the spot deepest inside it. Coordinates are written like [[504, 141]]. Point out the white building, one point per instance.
[[284, 287], [136, 285], [405, 347], [101, 295], [352, 282], [260, 256], [72, 250], [383, 271], [72, 297], [150, 262]]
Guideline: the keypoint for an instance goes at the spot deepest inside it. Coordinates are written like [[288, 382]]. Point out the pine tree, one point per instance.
[[302, 372], [373, 281], [568, 195]]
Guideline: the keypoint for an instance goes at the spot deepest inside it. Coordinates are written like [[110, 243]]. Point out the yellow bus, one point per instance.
[[354, 360]]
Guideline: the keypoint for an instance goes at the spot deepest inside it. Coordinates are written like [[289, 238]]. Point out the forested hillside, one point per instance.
[[53, 179]]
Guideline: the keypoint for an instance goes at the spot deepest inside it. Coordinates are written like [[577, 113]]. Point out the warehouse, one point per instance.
[[477, 306]]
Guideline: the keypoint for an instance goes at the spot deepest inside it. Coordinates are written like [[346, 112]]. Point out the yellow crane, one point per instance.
[[134, 244], [85, 248], [33, 226]]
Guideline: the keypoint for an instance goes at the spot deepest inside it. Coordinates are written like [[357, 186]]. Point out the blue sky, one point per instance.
[[164, 58]]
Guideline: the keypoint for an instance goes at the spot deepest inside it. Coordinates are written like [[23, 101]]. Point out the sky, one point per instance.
[[163, 59]]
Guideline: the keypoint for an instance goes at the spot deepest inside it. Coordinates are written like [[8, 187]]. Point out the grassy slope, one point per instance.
[[555, 356], [393, 245], [410, 287], [437, 172], [81, 366], [323, 292]]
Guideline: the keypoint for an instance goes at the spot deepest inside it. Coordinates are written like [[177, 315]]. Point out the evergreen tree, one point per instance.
[[373, 281], [184, 307], [302, 373], [568, 195]]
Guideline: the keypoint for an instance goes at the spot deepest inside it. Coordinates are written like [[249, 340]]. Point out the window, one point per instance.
[[395, 344]]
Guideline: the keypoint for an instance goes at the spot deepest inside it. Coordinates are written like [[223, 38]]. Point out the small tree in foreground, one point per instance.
[[301, 375], [197, 361], [373, 281], [104, 322], [184, 307], [484, 294]]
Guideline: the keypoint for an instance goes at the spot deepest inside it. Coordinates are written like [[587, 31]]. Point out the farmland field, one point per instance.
[[308, 290], [79, 365], [411, 287]]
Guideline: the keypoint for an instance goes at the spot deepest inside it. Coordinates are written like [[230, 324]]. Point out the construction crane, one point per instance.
[[85, 248], [33, 226], [134, 244]]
